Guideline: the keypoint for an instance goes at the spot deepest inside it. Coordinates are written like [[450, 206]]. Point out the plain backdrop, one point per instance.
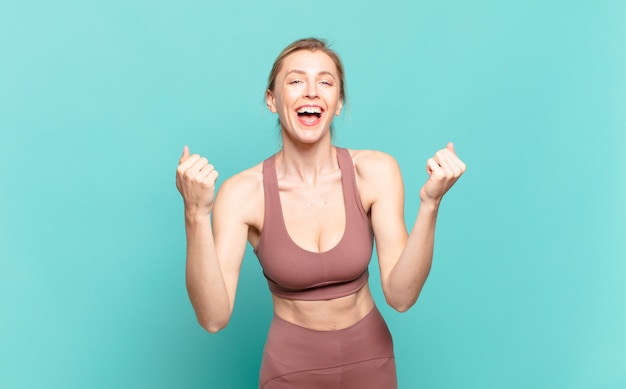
[[97, 99]]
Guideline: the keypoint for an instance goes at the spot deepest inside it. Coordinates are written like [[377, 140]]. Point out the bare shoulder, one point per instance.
[[370, 164], [244, 182], [377, 175], [241, 195]]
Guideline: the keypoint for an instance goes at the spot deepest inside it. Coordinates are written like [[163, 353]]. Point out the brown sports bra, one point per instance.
[[298, 274]]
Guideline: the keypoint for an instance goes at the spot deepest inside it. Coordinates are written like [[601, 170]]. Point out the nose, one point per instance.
[[311, 90]]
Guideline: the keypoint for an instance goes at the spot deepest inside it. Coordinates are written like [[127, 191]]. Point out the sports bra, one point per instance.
[[299, 274]]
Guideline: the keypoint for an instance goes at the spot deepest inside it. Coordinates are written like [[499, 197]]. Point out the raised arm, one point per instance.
[[214, 250], [405, 260]]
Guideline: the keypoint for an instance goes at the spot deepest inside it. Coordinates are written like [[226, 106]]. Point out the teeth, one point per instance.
[[310, 110]]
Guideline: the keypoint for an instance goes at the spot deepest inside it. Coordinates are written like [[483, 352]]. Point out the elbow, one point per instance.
[[213, 329], [401, 307], [212, 326], [401, 303], [401, 299]]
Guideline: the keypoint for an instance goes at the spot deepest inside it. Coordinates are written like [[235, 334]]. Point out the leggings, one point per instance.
[[358, 357]]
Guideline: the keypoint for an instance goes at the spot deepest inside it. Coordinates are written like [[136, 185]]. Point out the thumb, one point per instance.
[[185, 153], [450, 146]]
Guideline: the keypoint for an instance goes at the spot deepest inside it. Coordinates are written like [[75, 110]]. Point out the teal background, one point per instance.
[[97, 99]]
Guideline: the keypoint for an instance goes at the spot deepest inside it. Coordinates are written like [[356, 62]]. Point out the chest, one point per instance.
[[314, 217]]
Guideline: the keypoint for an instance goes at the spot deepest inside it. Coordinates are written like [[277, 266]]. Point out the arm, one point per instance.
[[214, 250], [405, 260]]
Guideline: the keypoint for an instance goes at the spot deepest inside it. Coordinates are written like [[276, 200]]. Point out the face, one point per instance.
[[306, 95]]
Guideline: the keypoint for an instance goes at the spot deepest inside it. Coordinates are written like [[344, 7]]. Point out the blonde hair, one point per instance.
[[311, 44]]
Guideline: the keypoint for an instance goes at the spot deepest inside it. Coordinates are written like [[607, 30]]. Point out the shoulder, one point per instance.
[[377, 175], [249, 180], [241, 194], [374, 164]]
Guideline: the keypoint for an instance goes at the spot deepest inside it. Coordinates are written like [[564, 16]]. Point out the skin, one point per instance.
[[309, 183]]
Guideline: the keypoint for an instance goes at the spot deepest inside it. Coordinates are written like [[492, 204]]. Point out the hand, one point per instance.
[[195, 180], [444, 168]]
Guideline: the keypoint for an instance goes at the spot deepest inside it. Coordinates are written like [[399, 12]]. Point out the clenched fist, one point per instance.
[[444, 169], [195, 180]]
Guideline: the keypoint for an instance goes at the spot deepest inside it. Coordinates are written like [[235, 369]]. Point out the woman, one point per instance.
[[312, 212]]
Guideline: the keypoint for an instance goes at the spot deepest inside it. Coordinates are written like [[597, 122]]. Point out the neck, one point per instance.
[[306, 162]]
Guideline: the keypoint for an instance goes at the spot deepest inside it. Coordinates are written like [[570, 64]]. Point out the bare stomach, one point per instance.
[[326, 315]]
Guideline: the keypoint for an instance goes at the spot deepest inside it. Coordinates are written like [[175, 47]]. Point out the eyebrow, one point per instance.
[[322, 73]]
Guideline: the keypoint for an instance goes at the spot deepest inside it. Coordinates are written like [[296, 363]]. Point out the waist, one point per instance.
[[325, 315]]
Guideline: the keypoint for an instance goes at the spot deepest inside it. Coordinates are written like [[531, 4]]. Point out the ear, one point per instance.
[[339, 106], [270, 100]]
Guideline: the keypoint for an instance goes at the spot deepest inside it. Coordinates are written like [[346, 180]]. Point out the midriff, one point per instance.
[[326, 315]]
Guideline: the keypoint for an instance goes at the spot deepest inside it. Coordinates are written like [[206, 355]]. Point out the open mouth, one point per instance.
[[310, 112]]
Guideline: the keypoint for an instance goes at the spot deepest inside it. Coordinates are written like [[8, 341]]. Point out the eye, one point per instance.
[[326, 82], [295, 82]]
